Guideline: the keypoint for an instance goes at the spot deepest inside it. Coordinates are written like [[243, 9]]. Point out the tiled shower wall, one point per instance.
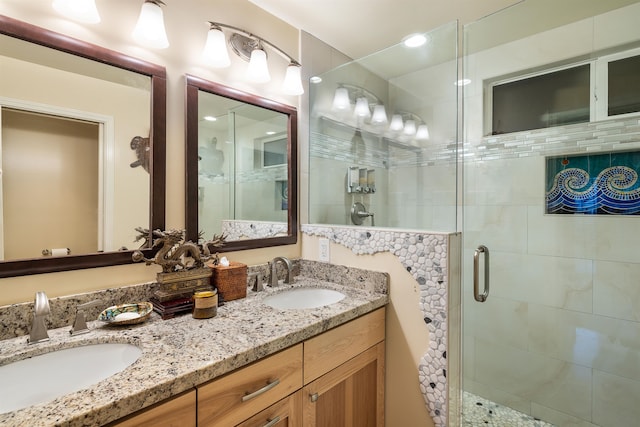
[[559, 336]]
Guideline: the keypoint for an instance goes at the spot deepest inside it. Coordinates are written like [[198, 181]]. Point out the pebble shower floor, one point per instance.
[[479, 412]]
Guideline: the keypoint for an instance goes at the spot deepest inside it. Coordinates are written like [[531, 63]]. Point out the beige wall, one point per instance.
[[186, 30], [407, 334]]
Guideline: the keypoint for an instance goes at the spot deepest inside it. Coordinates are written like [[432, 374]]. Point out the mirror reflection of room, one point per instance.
[[242, 169], [69, 184]]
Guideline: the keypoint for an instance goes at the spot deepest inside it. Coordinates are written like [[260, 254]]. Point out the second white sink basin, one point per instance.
[[45, 377], [301, 298]]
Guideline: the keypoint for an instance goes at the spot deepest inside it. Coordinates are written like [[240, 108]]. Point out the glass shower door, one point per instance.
[[556, 338]]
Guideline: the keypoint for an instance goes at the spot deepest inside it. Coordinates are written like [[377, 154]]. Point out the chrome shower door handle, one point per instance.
[[480, 297]]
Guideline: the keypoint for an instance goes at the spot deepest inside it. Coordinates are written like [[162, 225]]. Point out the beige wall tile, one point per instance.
[[616, 291], [615, 400], [551, 281]]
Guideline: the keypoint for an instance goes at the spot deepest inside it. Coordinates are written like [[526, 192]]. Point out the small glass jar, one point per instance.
[[205, 304]]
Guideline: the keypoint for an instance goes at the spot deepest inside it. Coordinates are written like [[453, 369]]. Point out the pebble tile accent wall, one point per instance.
[[425, 256], [238, 229]]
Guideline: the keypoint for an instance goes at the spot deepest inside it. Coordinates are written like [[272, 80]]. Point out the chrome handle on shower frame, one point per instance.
[[480, 297]]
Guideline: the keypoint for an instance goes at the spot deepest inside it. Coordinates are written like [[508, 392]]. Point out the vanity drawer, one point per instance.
[[239, 395], [334, 347]]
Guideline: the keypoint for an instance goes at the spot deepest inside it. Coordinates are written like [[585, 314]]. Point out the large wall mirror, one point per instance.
[[82, 150], [241, 167]]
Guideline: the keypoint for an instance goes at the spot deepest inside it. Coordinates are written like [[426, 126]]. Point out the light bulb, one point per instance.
[[422, 132], [379, 114], [292, 84], [396, 122], [341, 99], [258, 71], [78, 10], [215, 53], [150, 30], [362, 107], [410, 127]]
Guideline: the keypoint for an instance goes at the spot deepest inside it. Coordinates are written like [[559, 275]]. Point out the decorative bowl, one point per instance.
[[127, 314]]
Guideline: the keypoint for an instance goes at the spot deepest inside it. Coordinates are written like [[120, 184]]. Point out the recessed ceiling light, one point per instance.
[[463, 82], [210, 118], [414, 40], [315, 79], [271, 132]]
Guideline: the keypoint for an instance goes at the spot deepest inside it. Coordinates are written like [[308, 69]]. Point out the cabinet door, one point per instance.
[[177, 411], [351, 395], [285, 413]]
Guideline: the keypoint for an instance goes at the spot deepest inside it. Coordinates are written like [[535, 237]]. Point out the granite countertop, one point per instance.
[[180, 353]]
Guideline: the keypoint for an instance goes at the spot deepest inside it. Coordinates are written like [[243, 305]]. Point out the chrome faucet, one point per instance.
[[41, 310], [80, 324], [274, 276]]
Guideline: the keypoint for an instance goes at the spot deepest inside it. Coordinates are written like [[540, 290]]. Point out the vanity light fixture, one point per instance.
[[341, 99], [379, 116], [78, 10], [249, 47], [258, 70], [363, 101], [362, 107], [149, 30], [410, 125], [404, 125], [422, 133], [396, 123]]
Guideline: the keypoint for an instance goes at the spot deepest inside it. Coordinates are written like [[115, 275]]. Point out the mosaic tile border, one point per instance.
[[606, 135], [425, 256]]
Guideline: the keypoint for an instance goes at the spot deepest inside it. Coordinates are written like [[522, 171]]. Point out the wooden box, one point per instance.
[[230, 281]]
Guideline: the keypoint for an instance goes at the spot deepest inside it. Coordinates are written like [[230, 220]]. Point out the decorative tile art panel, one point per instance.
[[598, 184]]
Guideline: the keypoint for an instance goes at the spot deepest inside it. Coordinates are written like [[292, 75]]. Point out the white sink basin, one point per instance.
[[48, 376], [301, 298]]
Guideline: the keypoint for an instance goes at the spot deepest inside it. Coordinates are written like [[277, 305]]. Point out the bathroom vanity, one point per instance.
[[334, 378], [246, 366]]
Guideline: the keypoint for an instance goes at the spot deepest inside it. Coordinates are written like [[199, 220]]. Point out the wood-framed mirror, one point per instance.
[[65, 81], [241, 167]]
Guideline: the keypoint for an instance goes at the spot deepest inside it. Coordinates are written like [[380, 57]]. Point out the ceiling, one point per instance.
[[361, 27]]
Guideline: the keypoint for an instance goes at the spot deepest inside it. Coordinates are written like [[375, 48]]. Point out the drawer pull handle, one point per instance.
[[264, 389], [272, 422], [314, 397]]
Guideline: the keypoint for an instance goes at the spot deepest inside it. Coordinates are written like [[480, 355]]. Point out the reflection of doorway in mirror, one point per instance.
[[54, 183]]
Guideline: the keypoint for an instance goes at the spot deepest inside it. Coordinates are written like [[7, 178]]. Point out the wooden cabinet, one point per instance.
[[335, 379], [235, 397], [346, 373], [177, 411], [286, 413]]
